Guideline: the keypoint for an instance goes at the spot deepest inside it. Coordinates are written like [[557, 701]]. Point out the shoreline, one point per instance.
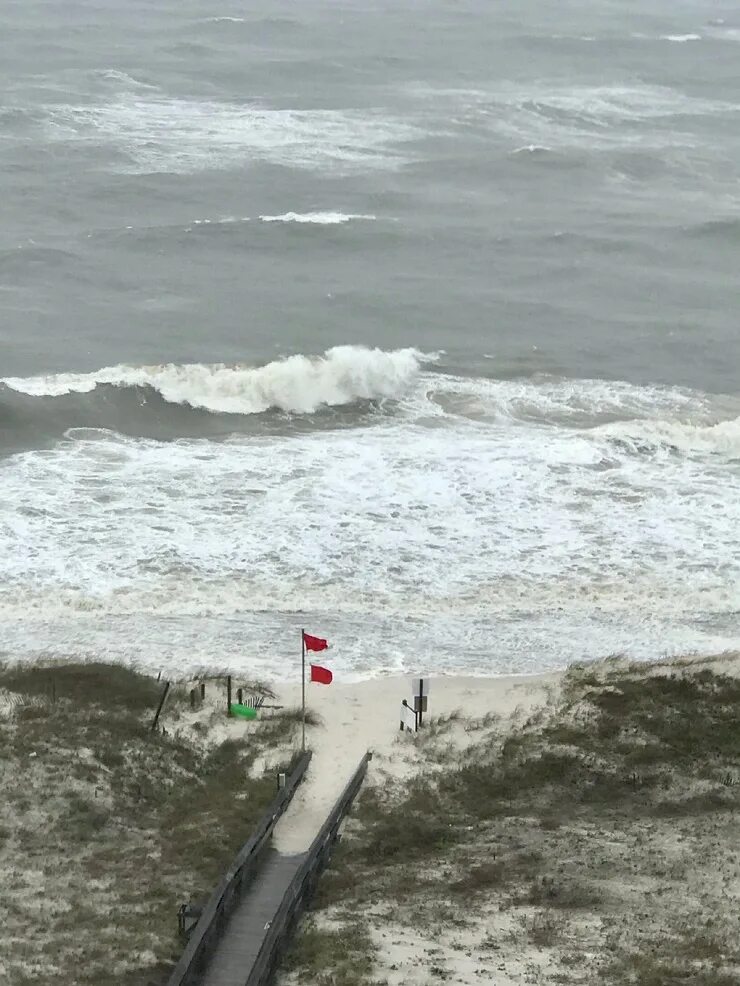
[[504, 796]]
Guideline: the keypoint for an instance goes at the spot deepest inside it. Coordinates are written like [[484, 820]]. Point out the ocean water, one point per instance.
[[414, 323]]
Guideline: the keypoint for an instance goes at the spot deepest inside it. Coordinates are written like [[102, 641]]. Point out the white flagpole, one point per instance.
[[303, 690]]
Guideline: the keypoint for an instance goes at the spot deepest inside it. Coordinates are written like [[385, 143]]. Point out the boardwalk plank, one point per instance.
[[233, 959]]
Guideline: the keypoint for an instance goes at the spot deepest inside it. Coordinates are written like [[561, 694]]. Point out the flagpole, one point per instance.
[[303, 690]]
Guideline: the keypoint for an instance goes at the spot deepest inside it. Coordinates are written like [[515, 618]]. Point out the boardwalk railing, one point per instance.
[[303, 884], [207, 932]]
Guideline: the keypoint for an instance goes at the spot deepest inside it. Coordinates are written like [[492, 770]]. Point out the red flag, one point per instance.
[[321, 675], [314, 643]]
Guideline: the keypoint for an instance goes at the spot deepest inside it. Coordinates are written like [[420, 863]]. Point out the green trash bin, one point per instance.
[[243, 711]]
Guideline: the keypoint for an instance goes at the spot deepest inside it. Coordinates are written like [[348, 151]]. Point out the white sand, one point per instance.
[[675, 873], [365, 716]]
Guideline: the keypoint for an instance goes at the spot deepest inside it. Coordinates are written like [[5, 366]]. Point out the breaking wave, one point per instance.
[[517, 502], [598, 514], [317, 218], [349, 386], [299, 384], [721, 437]]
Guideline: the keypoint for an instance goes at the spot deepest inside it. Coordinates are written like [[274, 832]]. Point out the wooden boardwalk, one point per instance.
[[232, 961]]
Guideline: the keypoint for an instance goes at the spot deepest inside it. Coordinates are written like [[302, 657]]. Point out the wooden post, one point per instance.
[[239, 696], [421, 702], [202, 690], [303, 690], [161, 703], [192, 698], [228, 695]]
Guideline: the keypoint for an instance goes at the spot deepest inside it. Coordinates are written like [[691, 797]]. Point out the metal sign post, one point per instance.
[[303, 690], [421, 692]]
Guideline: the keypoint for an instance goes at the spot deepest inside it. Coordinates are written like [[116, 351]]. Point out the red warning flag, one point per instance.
[[322, 676], [315, 643]]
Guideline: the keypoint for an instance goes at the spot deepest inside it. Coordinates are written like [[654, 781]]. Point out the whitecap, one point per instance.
[[680, 38], [532, 149], [299, 384], [317, 218], [185, 136]]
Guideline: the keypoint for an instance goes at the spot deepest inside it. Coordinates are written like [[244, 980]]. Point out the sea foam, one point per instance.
[[297, 383], [317, 218]]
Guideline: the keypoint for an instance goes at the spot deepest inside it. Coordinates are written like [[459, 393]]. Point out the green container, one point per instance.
[[243, 711]]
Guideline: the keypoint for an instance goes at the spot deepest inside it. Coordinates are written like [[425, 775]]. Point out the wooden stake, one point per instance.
[[161, 703], [303, 690]]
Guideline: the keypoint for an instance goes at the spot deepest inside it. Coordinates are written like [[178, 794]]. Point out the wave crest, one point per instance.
[[689, 438], [299, 384], [317, 218]]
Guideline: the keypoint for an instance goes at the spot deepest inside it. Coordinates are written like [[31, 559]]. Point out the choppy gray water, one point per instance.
[[415, 321]]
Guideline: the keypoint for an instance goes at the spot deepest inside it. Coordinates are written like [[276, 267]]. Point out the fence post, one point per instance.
[[161, 703]]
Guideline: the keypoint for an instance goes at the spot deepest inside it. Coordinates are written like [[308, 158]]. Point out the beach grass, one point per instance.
[[603, 825], [106, 826]]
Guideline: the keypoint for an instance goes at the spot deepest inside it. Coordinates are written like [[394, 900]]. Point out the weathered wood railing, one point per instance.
[[205, 935], [303, 884]]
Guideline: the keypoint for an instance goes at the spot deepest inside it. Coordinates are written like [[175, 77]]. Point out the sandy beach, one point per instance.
[[365, 715], [566, 828], [631, 878]]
